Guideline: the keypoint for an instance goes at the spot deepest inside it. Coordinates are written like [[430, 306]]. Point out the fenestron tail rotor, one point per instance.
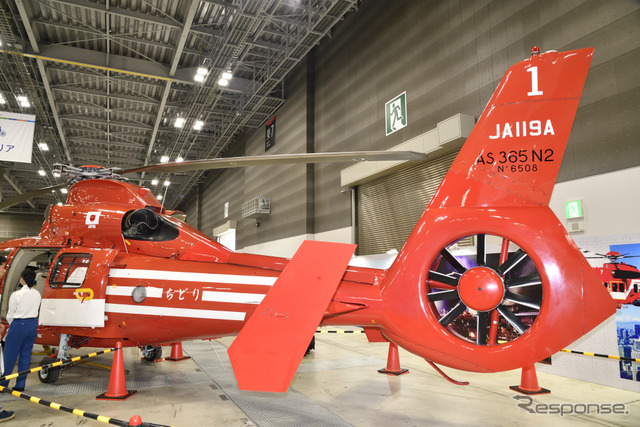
[[488, 293]]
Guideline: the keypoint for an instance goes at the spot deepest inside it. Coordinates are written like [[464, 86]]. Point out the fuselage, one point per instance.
[[114, 267]]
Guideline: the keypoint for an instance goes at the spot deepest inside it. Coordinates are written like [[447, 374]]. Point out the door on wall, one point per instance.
[[388, 208]]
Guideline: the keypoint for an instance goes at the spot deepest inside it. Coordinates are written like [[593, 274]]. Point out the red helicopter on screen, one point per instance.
[[620, 279], [115, 267]]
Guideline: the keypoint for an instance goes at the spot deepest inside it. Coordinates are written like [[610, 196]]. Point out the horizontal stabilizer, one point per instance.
[[267, 352]]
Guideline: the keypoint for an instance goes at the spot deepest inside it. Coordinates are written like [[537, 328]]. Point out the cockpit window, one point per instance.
[[70, 270], [144, 224]]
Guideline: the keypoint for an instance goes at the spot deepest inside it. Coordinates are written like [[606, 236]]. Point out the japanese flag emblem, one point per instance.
[[93, 219]]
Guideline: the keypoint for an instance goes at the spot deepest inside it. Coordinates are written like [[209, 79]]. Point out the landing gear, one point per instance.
[[151, 353], [49, 375], [312, 346]]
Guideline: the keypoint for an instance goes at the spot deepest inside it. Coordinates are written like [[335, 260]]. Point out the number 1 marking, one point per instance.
[[534, 82]]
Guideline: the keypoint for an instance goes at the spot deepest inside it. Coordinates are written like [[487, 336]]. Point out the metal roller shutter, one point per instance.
[[388, 208]]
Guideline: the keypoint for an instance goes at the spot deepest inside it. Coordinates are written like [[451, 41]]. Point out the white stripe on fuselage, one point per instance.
[[211, 296], [232, 297], [174, 312], [127, 291], [184, 276]]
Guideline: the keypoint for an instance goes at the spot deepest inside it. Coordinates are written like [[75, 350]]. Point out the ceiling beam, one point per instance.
[[171, 24], [43, 74], [191, 6]]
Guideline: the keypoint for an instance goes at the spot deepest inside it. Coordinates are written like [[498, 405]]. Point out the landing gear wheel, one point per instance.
[[312, 346], [484, 295], [151, 353], [49, 375]]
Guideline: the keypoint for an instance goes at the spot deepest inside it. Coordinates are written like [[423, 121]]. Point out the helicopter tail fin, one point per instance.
[[513, 155]]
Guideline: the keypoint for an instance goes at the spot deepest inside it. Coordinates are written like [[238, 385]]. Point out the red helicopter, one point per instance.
[[620, 279], [114, 266]]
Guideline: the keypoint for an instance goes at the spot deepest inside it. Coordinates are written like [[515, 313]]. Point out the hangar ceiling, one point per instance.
[[107, 80]]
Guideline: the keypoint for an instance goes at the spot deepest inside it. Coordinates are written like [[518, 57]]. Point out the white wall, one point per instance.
[[611, 203], [288, 247], [611, 207]]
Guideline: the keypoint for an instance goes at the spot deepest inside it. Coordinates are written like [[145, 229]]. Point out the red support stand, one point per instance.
[[135, 421], [529, 382], [176, 353], [117, 385], [393, 362]]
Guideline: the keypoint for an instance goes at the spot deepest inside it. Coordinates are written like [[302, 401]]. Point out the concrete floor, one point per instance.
[[337, 384]]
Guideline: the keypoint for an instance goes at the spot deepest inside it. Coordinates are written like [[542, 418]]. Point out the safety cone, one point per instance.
[[176, 352], [393, 362], [529, 382], [117, 385]]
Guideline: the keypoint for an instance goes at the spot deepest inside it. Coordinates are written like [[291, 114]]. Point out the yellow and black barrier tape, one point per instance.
[[78, 412], [608, 356], [59, 363], [339, 331]]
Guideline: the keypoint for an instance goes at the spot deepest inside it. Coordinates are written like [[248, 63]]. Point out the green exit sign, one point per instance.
[[573, 209]]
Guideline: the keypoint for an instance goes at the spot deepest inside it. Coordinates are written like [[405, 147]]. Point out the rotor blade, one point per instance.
[[481, 256], [512, 319], [235, 162], [521, 282], [523, 299], [453, 261], [512, 261], [443, 278], [481, 330], [444, 295], [453, 313], [7, 203]]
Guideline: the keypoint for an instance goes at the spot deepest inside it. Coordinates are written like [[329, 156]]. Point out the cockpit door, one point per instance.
[[76, 288]]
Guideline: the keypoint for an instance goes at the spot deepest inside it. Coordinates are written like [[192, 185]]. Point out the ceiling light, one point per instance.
[[56, 174], [198, 125], [166, 183], [223, 82], [159, 197], [164, 159], [41, 172], [227, 75], [201, 74], [154, 182], [63, 191], [179, 122], [43, 146], [25, 104], [22, 98], [179, 159], [2, 100]]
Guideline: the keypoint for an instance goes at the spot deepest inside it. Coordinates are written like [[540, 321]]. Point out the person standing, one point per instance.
[[4, 414], [22, 316]]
